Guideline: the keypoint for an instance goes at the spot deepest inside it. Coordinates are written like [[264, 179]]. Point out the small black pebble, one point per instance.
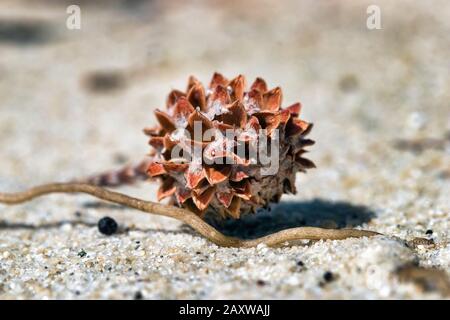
[[328, 276], [82, 253], [429, 232], [300, 263], [261, 283], [77, 293], [138, 296], [78, 214], [198, 252], [107, 226]]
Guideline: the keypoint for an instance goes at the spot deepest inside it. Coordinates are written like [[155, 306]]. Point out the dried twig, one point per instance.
[[206, 230]]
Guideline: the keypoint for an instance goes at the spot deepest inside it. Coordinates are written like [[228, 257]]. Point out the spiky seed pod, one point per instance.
[[235, 183]]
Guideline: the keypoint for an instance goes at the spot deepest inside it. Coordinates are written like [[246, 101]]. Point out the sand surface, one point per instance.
[[379, 99]]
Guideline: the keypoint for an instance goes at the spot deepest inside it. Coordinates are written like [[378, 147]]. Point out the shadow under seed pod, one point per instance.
[[313, 213]]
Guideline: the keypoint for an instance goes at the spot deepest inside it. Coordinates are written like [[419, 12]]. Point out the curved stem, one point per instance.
[[191, 219]]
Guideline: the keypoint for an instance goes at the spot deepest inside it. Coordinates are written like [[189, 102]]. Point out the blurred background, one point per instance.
[[72, 99], [74, 102]]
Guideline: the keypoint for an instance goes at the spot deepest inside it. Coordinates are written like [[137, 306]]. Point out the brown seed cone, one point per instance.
[[236, 184]]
